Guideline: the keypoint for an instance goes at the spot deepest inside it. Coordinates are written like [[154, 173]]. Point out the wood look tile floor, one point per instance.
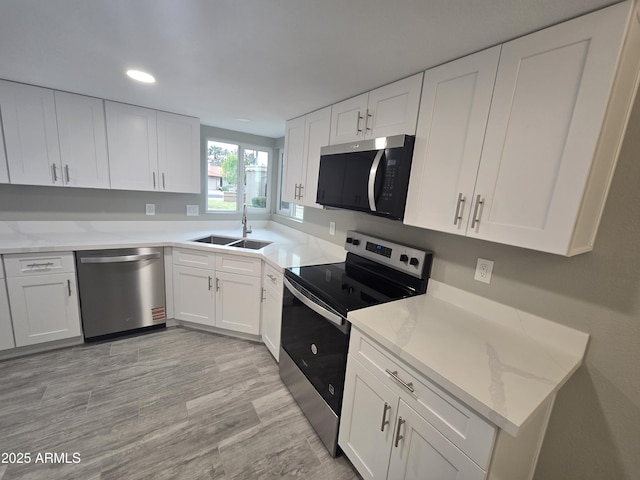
[[175, 404]]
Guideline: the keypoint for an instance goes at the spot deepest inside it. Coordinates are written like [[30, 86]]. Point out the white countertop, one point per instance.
[[290, 247], [501, 362]]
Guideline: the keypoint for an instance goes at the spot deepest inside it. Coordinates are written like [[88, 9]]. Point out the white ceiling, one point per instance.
[[262, 60]]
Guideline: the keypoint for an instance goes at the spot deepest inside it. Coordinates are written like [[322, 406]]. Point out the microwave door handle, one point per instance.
[[373, 173]]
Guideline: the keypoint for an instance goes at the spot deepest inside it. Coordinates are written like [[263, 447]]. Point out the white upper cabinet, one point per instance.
[[556, 120], [83, 140], [30, 134], [347, 120], [451, 126], [385, 111], [293, 160], [551, 95], [178, 153], [133, 146], [304, 137]]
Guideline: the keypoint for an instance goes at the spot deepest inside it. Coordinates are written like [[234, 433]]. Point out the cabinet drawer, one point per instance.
[[461, 426], [272, 279], [239, 264], [22, 265], [194, 258]]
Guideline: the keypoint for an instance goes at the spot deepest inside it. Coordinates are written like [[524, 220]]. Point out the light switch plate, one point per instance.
[[484, 268], [193, 210], [151, 209]]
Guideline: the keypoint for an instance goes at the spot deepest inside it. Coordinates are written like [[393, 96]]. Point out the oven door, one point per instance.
[[316, 338]]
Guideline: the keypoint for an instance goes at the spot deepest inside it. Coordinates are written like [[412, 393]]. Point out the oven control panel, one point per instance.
[[400, 257]]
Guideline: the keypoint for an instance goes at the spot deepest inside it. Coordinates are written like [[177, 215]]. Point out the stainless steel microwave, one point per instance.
[[369, 176]]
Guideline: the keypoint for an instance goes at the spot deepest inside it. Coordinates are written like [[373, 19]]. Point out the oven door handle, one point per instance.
[[332, 317]]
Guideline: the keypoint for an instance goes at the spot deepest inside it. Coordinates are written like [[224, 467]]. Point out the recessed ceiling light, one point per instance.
[[141, 76]]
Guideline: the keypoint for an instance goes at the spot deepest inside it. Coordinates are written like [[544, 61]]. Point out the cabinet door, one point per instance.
[[367, 421], [194, 295], [30, 134], [83, 140], [133, 146], [451, 126], [44, 308], [178, 153], [348, 119], [393, 109], [420, 452], [238, 302], [550, 97], [6, 329], [293, 160], [271, 321], [316, 136]]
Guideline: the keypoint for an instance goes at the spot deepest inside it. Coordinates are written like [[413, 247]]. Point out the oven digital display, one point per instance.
[[379, 249]]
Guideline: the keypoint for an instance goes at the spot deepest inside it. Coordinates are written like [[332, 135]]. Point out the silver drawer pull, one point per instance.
[[399, 437], [387, 407], [394, 375], [271, 277], [40, 265], [477, 212], [459, 207]]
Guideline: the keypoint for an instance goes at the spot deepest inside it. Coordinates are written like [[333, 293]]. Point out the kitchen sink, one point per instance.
[[217, 240], [251, 244]]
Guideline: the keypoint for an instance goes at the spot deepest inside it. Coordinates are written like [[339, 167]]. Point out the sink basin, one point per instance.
[[252, 244], [217, 240]]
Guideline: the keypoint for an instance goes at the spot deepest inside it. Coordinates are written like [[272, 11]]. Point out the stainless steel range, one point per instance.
[[315, 330]]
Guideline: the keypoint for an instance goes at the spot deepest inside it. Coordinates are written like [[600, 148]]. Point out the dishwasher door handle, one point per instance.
[[120, 258]]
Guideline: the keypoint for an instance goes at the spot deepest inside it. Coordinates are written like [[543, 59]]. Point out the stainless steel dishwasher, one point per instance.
[[121, 290]]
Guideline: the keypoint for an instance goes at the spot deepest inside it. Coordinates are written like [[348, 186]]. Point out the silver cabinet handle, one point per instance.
[[120, 258], [210, 284], [459, 208], [387, 407], [55, 172], [296, 195], [154, 180], [401, 421], [372, 180], [217, 284], [367, 128], [394, 375], [69, 287], [477, 212], [300, 190], [358, 129], [38, 265], [263, 296], [66, 171], [163, 185], [271, 277]]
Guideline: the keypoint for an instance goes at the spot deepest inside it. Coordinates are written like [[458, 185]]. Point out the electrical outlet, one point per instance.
[[193, 210], [151, 209], [332, 228], [483, 270]]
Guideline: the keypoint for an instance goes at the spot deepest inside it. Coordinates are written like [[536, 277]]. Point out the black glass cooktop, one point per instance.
[[350, 286]]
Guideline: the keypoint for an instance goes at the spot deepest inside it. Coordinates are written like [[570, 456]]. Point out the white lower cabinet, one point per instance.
[[194, 295], [43, 297], [217, 290], [396, 425], [238, 302], [271, 310]]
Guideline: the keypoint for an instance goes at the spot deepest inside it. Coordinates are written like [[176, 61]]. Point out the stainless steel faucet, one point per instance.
[[245, 230]]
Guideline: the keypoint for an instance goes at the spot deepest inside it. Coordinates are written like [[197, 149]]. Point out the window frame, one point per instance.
[[240, 187]]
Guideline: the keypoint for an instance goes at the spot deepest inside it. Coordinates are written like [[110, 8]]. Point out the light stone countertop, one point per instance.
[[501, 362], [289, 248]]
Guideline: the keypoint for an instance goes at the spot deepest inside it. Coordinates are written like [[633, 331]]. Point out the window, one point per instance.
[[236, 174], [287, 209]]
